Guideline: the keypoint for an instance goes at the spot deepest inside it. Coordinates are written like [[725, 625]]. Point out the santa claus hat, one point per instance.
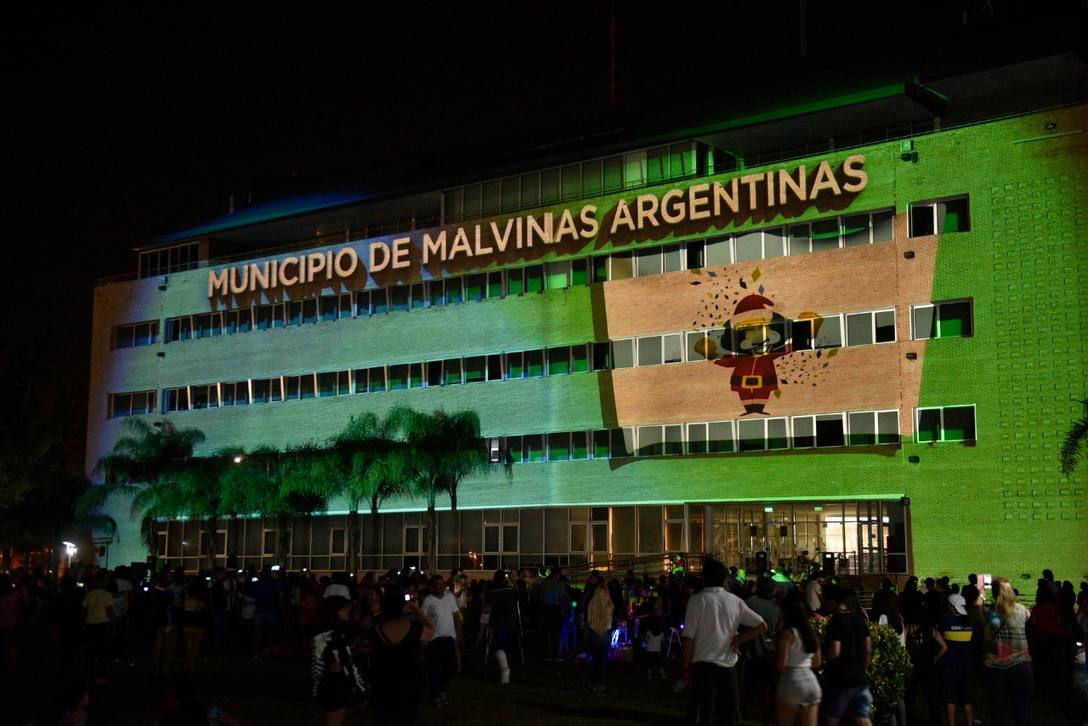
[[752, 302]]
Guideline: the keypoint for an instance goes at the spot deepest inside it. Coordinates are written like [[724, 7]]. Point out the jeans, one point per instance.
[[1010, 691], [598, 652], [713, 695], [441, 658]]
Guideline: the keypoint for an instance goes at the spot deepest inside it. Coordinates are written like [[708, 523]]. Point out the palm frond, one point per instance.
[[1073, 447]]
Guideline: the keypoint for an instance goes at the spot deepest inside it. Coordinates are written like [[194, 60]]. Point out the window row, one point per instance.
[[844, 231], [574, 181], [169, 259], [134, 335], [131, 404], [856, 428]]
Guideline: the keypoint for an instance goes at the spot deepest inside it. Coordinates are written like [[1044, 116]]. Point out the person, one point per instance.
[[847, 651], [711, 644], [954, 659], [97, 616], [266, 616], [653, 638], [122, 603], [504, 622], [192, 620], [798, 653], [441, 654], [334, 673], [552, 593], [339, 586], [600, 615], [759, 672], [395, 641], [1006, 660], [162, 618], [814, 598]]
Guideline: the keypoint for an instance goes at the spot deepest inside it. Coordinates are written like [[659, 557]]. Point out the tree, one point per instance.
[[145, 464], [201, 493], [1075, 442], [445, 447], [362, 463]]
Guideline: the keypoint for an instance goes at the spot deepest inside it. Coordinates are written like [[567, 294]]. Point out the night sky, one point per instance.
[[124, 123]]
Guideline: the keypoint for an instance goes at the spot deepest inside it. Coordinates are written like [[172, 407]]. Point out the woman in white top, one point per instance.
[[798, 654]]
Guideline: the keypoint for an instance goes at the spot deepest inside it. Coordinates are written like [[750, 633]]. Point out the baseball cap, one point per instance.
[[958, 603]]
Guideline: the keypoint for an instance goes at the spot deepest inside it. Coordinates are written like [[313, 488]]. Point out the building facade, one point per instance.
[[839, 353]]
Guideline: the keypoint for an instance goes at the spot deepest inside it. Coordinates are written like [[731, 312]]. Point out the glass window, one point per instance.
[[921, 220], [954, 319], [533, 448], [534, 279], [673, 257], [884, 324], [601, 439], [511, 193], [623, 442], [558, 447], [649, 350], [674, 440], [825, 235], [579, 448], [534, 363], [855, 230], [697, 441], [579, 272], [379, 301], [859, 329], [720, 437], [800, 239], [398, 298], [451, 372], [621, 266], [475, 369], [634, 169], [928, 425], [434, 373], [359, 380], [804, 432], [362, 306], [530, 189], [613, 173], [549, 186], [377, 379], [623, 353], [882, 226], [694, 251], [572, 181], [515, 281], [657, 164], [123, 336], [492, 201], [307, 386], [887, 427], [329, 308], [923, 321], [952, 215], [830, 332], [495, 285], [696, 346], [829, 430], [309, 310], [749, 246], [648, 262], [415, 375], [451, 204], [398, 377], [958, 423], [774, 242], [494, 367], [471, 202], [751, 435], [681, 160], [475, 287], [801, 334], [718, 252], [515, 365], [672, 348], [777, 437], [455, 294], [326, 384], [436, 292], [418, 295], [557, 275], [651, 441], [558, 361], [862, 428], [602, 356], [591, 178]]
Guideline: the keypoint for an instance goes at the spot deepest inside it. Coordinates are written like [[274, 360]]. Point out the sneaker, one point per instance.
[[504, 675]]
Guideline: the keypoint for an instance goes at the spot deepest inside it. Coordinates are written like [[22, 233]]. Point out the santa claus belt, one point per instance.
[[754, 381]]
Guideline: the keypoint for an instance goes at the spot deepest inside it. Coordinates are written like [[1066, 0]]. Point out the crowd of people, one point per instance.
[[392, 642]]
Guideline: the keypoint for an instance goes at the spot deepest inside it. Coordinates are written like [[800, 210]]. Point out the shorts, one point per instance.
[[797, 686], [842, 702], [956, 684]]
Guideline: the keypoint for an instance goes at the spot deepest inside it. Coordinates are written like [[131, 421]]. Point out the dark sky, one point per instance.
[[124, 123]]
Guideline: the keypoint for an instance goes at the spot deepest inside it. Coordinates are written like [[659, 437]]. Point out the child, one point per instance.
[[653, 639]]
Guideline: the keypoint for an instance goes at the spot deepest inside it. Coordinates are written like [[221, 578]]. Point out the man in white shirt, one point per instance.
[[441, 654], [712, 640]]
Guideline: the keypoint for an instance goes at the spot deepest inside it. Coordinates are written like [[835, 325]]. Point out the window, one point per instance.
[[950, 319], [648, 262], [825, 235], [334, 383], [131, 404], [455, 294], [496, 287], [241, 321], [829, 334], [559, 447], [718, 252], [557, 275], [870, 327], [694, 251], [623, 353], [946, 423], [204, 396], [135, 335], [400, 298], [266, 390], [175, 399], [532, 448], [475, 288], [873, 427], [169, 259], [377, 379], [534, 279], [623, 442], [579, 358], [180, 328], [558, 361], [451, 368], [761, 434], [271, 316], [534, 363], [937, 217], [234, 394], [651, 441], [818, 431], [621, 266], [649, 350], [475, 369]]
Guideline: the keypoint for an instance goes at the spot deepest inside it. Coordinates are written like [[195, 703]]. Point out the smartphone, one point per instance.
[[407, 597], [275, 568]]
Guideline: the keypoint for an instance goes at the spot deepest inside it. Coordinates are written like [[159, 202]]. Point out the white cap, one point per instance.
[[958, 603]]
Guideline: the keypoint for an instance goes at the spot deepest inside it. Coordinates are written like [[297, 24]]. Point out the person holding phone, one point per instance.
[[395, 642]]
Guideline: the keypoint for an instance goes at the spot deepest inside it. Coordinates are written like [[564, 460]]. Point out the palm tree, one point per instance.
[[144, 464], [1075, 441], [446, 447], [201, 491]]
